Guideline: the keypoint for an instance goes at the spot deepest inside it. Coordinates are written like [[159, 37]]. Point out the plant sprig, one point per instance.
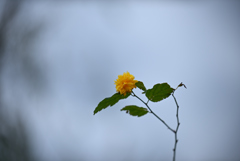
[[124, 85]]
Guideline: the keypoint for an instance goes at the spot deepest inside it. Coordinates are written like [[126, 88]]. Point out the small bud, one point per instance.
[[181, 84]]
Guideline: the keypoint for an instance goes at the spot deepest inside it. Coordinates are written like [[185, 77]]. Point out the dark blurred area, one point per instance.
[[16, 36]]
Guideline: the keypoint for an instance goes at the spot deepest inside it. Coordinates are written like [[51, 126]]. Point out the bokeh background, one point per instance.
[[58, 60]]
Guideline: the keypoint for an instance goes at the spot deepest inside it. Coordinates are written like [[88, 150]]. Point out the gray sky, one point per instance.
[[84, 46]]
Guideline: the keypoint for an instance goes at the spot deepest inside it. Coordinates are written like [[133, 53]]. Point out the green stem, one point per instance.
[[178, 123], [154, 113]]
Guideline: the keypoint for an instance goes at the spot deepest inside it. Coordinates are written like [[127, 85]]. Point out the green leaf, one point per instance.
[[140, 85], [135, 110], [110, 101], [159, 92]]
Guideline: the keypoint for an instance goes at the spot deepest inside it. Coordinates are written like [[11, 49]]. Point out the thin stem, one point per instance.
[[154, 113], [147, 101], [178, 123]]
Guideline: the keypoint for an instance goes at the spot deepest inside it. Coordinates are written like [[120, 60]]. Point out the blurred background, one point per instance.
[[58, 60]]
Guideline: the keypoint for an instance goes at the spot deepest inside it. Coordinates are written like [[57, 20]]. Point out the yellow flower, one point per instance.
[[125, 83]]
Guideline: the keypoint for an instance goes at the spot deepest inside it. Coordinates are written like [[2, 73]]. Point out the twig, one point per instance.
[[154, 113], [178, 123]]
